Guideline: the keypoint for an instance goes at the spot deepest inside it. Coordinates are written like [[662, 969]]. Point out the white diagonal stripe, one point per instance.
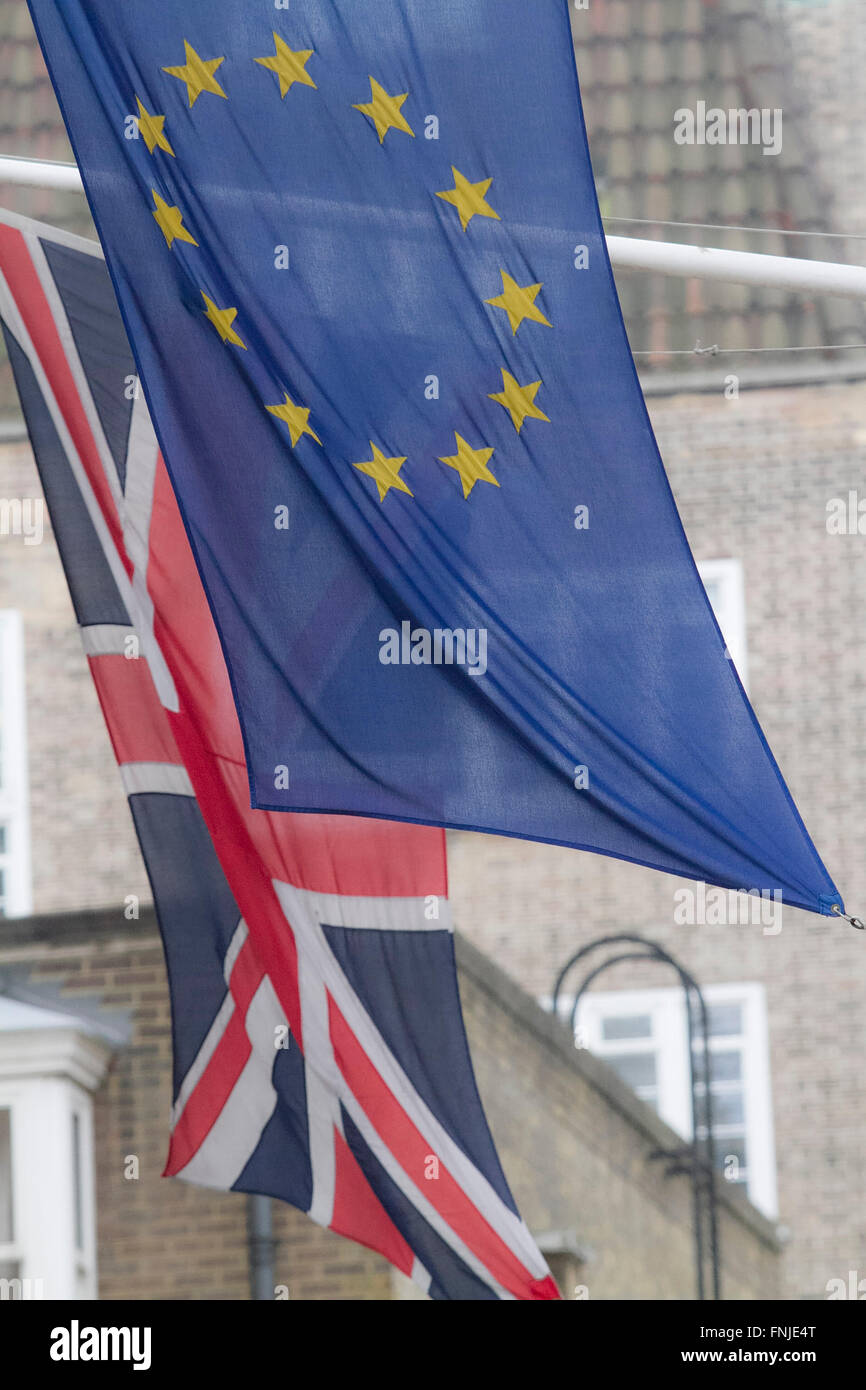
[[216, 1030], [235, 947], [512, 1231], [106, 639], [379, 914], [322, 1078], [420, 1276], [135, 514], [135, 501], [70, 352], [237, 1130], [203, 1056], [170, 778], [159, 671], [57, 234], [409, 1189]]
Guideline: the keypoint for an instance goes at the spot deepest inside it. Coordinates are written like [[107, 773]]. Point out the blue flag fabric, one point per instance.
[[358, 253]]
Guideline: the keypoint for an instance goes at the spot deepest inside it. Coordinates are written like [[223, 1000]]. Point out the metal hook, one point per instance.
[[855, 921]]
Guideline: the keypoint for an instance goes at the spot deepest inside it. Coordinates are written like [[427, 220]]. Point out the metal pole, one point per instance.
[[261, 1245], [696, 1150], [739, 267], [40, 173], [710, 1137], [702, 1167], [626, 253]]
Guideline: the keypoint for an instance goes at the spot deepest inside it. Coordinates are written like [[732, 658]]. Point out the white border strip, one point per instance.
[[170, 779]]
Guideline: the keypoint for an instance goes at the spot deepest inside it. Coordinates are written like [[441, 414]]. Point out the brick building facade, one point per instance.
[[575, 1143], [755, 453], [753, 477]]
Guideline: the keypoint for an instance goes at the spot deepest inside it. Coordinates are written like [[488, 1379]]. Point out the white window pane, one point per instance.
[[725, 1020], [636, 1069], [615, 1027], [723, 582], [728, 1108], [724, 1065]]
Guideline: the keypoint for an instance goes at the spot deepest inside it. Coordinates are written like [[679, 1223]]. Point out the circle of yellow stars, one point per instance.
[[468, 198]]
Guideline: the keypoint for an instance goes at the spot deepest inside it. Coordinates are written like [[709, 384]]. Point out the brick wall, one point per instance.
[[574, 1142], [752, 478]]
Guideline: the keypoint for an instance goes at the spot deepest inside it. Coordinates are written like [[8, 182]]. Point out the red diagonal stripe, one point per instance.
[[137, 726], [412, 1151], [230, 1056]]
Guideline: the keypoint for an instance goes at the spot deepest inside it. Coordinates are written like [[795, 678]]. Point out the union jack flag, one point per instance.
[[319, 1049]]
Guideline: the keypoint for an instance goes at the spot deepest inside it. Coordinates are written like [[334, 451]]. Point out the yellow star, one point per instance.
[[289, 66], [468, 198], [519, 400], [295, 417], [518, 301], [151, 130], [170, 221], [222, 320], [471, 464], [198, 74], [385, 472], [385, 111]]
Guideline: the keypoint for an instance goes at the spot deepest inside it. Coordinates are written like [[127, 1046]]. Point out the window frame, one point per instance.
[[666, 1006], [47, 1076], [730, 611]]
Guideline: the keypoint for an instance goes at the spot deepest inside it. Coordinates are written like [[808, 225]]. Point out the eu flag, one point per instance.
[[358, 253]]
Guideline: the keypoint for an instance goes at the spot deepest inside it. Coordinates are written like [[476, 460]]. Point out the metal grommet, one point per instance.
[[854, 921]]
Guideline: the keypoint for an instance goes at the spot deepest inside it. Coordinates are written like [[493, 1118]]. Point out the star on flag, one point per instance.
[[294, 417], [386, 112], [519, 400], [198, 74], [385, 472], [518, 301], [471, 464], [222, 320], [151, 130], [170, 221], [469, 198], [290, 67]]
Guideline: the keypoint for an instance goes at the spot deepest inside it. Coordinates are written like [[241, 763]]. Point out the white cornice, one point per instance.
[[67, 1053]]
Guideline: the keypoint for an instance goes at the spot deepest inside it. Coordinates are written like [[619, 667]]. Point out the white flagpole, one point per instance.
[[626, 253], [40, 173], [740, 267]]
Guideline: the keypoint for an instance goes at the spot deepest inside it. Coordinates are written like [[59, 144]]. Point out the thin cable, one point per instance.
[[718, 352], [731, 227]]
